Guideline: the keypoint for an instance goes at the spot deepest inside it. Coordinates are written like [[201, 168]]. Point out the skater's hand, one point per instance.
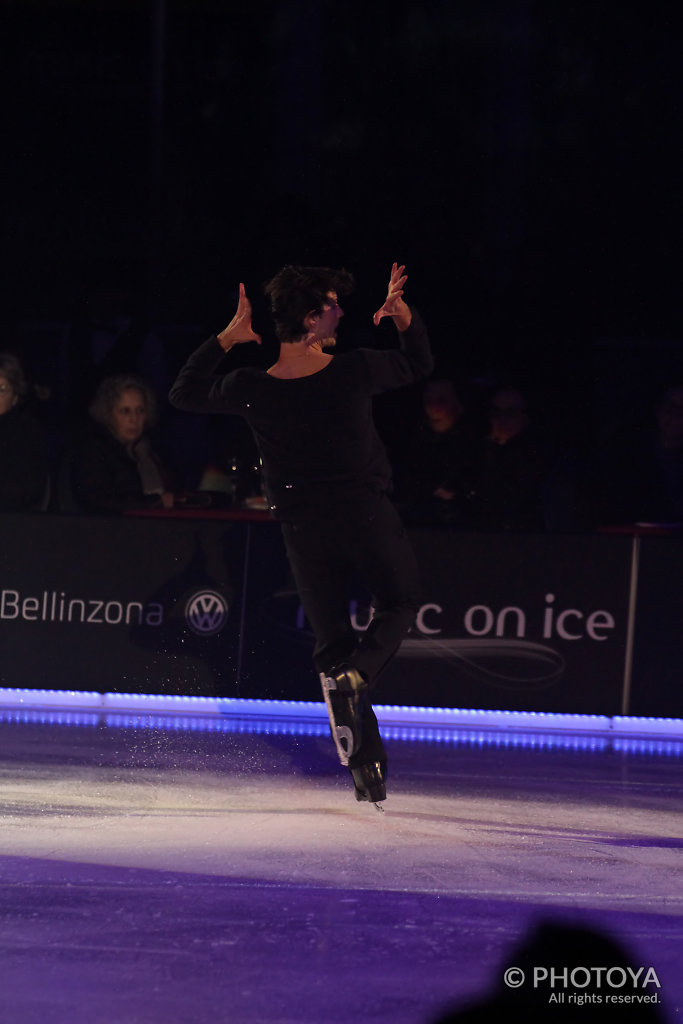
[[394, 306], [239, 330]]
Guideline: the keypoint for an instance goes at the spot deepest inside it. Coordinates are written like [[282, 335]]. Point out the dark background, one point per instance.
[[522, 158]]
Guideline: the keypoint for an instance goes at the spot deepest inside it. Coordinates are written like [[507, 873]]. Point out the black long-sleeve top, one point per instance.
[[315, 434]]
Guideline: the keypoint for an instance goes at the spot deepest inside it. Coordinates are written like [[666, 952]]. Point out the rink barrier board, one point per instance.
[[568, 625]]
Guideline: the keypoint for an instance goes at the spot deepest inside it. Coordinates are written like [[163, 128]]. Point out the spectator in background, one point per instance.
[[114, 467], [509, 467], [640, 475], [24, 481], [432, 481]]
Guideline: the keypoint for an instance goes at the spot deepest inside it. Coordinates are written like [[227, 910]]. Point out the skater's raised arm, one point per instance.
[[239, 330], [394, 306], [197, 387], [413, 359]]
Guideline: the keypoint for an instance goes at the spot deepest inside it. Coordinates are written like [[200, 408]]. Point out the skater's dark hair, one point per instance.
[[295, 292]]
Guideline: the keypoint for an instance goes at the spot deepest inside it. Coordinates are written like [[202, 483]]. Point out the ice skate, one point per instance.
[[369, 781], [343, 691]]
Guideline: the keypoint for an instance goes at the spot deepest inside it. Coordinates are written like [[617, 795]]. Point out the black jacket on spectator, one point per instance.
[[23, 461], [640, 482], [104, 475], [508, 480]]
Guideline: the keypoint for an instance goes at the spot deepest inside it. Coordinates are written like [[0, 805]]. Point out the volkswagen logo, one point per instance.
[[206, 612]]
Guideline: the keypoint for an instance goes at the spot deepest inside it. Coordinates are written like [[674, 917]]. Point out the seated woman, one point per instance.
[[114, 468], [509, 467], [432, 480], [23, 453], [641, 466]]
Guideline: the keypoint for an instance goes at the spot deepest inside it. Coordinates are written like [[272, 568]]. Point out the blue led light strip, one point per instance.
[[310, 717]]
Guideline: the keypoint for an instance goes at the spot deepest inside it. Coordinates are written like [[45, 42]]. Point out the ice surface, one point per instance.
[[179, 876]]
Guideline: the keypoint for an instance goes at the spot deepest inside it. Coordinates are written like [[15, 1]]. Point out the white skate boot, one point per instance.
[[343, 692]]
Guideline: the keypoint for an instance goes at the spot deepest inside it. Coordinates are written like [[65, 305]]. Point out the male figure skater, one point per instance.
[[327, 479]]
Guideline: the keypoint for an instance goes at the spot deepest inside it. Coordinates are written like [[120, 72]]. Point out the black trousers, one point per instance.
[[362, 540]]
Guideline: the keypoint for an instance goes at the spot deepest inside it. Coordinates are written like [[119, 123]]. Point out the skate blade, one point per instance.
[[378, 807]]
